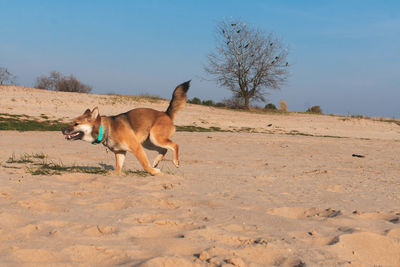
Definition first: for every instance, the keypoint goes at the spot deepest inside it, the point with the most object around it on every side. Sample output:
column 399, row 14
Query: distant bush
column 283, row 106
column 207, row 103
column 270, row 106
column 56, row 81
column 195, row 100
column 232, row 103
column 315, row 109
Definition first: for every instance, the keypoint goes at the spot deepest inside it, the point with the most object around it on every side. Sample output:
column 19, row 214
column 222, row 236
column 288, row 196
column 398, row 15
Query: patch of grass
column 14, row 115
column 10, row 167
column 347, row 118
column 216, row 129
column 295, row 132
column 255, row 110
column 151, row 98
column 245, row 130
column 344, row 119
column 360, row 117
column 37, row 164
column 40, row 155
column 125, row 99
column 192, row 128
column 18, row 123
column 51, row 168
column 389, row 121
column 332, row 136
column 25, row 158
column 136, row 173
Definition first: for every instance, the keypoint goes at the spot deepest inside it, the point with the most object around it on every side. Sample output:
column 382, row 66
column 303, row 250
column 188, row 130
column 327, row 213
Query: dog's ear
column 95, row 113
column 87, row 112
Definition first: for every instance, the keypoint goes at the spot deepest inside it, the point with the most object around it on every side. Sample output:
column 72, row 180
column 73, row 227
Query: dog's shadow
column 106, row 166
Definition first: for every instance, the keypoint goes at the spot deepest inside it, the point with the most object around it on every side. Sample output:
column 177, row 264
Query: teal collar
column 100, row 137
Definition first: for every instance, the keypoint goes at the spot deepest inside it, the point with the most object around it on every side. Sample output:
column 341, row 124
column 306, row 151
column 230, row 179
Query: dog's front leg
column 137, row 149
column 119, row 161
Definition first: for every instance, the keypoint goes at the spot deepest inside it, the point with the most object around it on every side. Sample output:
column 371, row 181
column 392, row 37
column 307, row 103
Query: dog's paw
column 155, row 171
column 176, row 163
column 116, row 172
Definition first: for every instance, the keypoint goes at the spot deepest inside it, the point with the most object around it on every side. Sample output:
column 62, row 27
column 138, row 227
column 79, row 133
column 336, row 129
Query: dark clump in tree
column 6, row 77
column 247, row 61
column 58, row 82
column 233, row 102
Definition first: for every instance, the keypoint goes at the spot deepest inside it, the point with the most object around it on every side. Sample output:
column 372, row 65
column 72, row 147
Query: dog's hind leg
column 161, row 151
column 166, row 143
column 159, row 157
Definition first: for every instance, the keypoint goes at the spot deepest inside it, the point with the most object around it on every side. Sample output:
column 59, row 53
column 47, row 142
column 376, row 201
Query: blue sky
column 345, row 55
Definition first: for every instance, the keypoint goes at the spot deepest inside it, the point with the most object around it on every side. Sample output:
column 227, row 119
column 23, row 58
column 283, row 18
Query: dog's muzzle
column 71, row 134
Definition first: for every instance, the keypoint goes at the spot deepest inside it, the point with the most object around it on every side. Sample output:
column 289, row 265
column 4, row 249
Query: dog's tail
column 178, row 99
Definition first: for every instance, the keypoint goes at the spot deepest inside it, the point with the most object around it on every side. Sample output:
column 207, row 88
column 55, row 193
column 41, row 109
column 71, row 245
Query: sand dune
column 238, row 199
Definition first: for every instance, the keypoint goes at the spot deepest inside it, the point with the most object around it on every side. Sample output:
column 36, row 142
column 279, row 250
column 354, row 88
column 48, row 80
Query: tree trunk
column 246, row 102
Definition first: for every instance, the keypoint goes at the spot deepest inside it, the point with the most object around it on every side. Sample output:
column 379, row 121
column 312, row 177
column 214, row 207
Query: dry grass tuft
column 283, row 106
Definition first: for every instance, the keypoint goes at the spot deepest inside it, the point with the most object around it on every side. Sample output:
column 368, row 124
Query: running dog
column 132, row 130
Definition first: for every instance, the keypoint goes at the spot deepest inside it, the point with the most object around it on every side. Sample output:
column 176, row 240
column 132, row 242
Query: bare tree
column 58, row 82
column 71, row 84
column 247, row 61
column 6, row 76
column 49, row 82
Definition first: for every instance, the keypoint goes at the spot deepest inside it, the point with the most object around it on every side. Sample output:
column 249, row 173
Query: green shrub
column 207, row 103
column 270, row 106
column 195, row 100
column 315, row 109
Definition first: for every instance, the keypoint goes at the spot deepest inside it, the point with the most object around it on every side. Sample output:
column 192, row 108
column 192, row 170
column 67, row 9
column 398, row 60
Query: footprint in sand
column 169, row 261
column 315, row 238
column 162, row 203
column 393, row 217
column 367, row 248
column 96, row 255
column 116, row 204
column 247, row 255
column 394, row 234
column 301, row 213
column 30, row 230
column 161, row 228
column 36, row 256
column 140, row 218
column 10, row 220
column 223, row 236
column 335, row 188
column 100, row 230
column 41, row 206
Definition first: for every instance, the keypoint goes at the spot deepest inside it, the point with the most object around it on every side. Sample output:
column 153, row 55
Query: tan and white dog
column 132, row 130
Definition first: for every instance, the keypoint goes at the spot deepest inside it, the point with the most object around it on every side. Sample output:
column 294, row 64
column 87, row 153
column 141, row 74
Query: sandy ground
column 238, row 199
